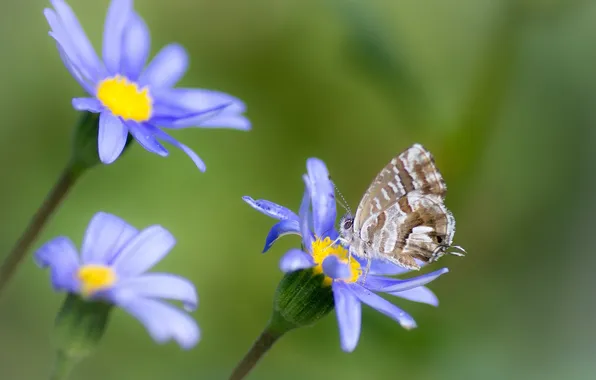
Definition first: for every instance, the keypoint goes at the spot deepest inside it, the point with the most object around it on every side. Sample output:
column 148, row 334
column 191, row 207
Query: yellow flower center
column 94, row 278
column 321, row 249
column 125, row 99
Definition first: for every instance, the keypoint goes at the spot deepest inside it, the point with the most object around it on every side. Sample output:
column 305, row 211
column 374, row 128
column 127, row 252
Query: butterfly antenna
column 342, row 202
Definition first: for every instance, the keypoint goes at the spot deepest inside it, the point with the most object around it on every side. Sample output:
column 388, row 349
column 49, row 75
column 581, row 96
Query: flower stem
column 265, row 341
column 65, row 182
column 62, row 367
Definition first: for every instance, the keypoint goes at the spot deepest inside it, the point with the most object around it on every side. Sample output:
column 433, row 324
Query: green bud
column 84, row 142
column 80, row 325
column 301, row 299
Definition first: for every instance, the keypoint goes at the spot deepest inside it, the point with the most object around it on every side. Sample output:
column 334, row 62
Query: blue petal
column 111, row 137
column 136, row 43
column 69, row 49
column 271, row 209
column 227, row 121
column 104, row 238
column 282, row 228
column 304, row 216
column 163, row 321
column 294, row 260
column 189, row 152
column 61, row 256
column 80, row 41
column 194, row 100
column 420, row 294
column 167, row 68
column 159, row 285
column 323, row 196
column 74, row 70
column 174, row 118
column 143, row 251
column 383, row 306
column 335, row 268
column 119, row 13
column 143, row 134
column 384, row 268
column 349, row 316
column 383, row 284
column 87, row 104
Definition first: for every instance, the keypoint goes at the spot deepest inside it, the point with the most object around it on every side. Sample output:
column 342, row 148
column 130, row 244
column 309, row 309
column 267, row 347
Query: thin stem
column 62, row 367
column 50, row 204
column 256, row 352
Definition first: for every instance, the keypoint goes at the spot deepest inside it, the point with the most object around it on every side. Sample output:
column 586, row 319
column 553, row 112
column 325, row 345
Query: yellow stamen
column 321, row 249
column 125, row 99
column 94, row 278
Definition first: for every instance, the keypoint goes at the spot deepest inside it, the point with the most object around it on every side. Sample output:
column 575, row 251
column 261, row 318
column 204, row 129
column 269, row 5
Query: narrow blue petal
column 61, row 256
column 195, row 100
column 420, row 294
column 173, row 118
column 79, row 39
column 323, row 196
column 75, row 71
column 136, row 44
column 271, row 209
column 384, row 268
column 304, row 216
column 384, row 284
column 87, row 104
column 227, row 121
column 282, row 228
column 144, row 136
column 104, row 238
column 189, row 152
column 119, row 13
column 111, row 137
column 161, row 285
column 383, row 306
column 143, row 251
column 349, row 316
column 163, row 321
column 69, row 49
column 294, row 260
column 335, row 268
column 167, row 68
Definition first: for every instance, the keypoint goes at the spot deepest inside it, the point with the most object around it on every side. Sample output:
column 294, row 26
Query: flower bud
column 301, row 299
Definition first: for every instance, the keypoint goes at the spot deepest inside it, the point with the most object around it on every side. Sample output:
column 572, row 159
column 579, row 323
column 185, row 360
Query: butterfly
column 402, row 217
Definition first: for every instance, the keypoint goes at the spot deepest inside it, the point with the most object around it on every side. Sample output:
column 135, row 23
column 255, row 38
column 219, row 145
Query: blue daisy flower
column 133, row 97
column 315, row 223
column 111, row 267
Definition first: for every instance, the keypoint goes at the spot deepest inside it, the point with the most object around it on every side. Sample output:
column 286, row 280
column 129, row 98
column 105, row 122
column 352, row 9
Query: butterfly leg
column 366, row 270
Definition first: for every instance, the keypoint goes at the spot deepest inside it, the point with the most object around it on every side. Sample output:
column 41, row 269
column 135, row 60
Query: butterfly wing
column 412, row 170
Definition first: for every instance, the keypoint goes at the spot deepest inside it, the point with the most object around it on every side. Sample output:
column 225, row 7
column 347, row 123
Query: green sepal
column 84, row 142
column 79, row 326
column 301, row 299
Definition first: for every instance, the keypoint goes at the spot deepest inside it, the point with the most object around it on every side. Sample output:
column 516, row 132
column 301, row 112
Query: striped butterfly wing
column 413, row 169
column 401, row 216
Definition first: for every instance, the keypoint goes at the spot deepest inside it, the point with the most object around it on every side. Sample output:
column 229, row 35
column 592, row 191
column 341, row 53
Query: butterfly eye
column 348, row 224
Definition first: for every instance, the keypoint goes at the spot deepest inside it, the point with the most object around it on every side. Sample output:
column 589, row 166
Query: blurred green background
column 503, row 92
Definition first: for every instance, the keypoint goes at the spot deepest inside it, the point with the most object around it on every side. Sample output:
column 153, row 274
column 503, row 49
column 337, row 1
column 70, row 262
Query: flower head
column 130, row 96
column 112, row 265
column 315, row 223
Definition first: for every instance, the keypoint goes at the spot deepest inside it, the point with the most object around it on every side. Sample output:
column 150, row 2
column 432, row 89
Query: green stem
column 62, row 367
column 263, row 343
column 65, row 182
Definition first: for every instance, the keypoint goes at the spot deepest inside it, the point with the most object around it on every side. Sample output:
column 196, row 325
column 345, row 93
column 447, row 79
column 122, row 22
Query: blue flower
column 316, row 225
column 130, row 97
column 112, row 265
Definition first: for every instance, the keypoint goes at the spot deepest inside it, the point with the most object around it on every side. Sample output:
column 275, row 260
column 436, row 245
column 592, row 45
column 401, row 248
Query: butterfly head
column 346, row 227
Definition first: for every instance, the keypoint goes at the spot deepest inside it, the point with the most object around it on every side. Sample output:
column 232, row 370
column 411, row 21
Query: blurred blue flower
column 130, row 97
column 112, row 265
column 316, row 225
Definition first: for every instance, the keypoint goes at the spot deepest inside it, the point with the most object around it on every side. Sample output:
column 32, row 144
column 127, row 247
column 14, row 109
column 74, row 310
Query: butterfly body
column 402, row 217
